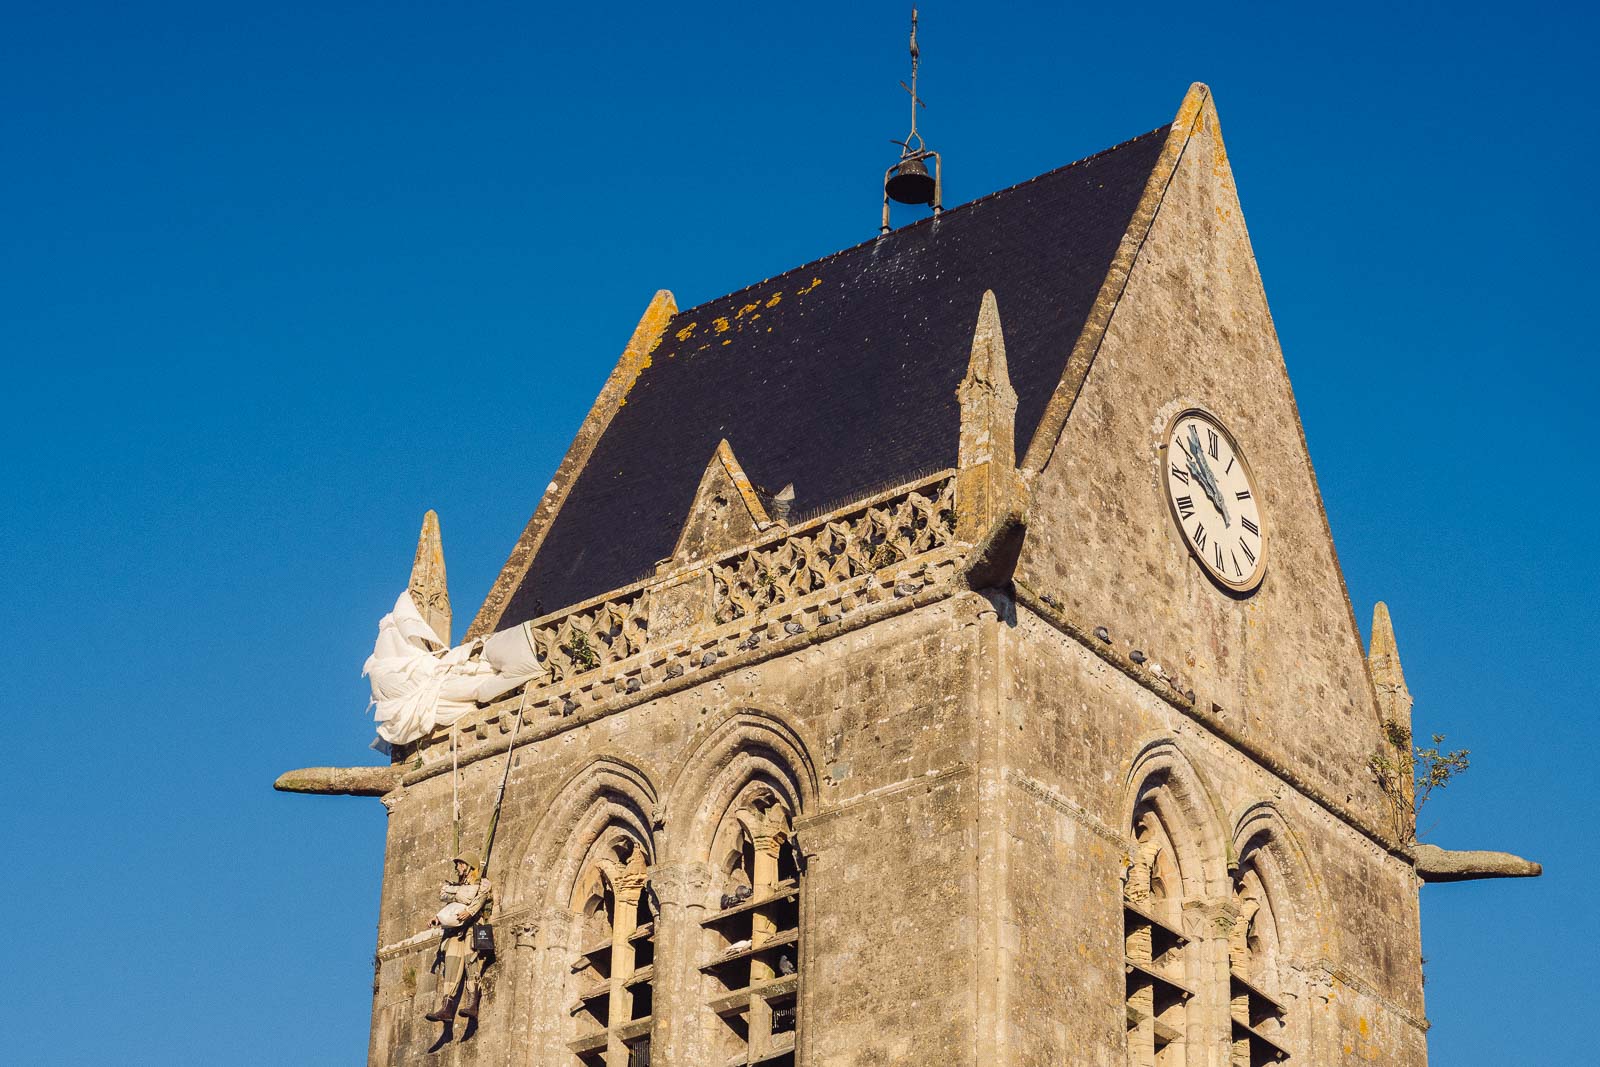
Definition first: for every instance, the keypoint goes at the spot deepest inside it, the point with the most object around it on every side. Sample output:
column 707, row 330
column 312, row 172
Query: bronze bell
column 910, row 183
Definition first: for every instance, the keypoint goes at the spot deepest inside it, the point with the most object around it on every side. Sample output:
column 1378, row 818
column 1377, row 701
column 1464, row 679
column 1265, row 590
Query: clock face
column 1214, row 500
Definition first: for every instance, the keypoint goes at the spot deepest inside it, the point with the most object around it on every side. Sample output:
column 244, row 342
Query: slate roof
column 840, row 376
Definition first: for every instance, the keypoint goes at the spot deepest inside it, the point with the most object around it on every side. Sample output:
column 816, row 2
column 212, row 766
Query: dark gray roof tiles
column 840, row 376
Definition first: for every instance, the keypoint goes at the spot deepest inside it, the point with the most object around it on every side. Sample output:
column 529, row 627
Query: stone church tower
column 942, row 658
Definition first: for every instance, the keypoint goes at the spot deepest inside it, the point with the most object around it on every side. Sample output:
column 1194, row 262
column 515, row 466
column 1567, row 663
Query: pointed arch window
column 753, row 939
column 612, row 978
column 1154, row 949
column 1256, row 1006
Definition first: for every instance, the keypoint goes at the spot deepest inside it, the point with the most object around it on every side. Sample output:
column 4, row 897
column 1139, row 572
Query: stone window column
column 685, row 893
column 519, row 966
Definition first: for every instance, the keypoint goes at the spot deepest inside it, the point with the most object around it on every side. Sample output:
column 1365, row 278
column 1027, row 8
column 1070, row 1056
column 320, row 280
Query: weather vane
column 908, row 181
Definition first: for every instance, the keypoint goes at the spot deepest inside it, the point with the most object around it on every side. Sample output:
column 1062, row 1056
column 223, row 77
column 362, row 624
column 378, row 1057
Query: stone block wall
column 867, row 736
column 1086, row 739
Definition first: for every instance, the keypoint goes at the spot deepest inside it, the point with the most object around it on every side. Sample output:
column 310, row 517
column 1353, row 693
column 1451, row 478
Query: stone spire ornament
column 1383, row 661
column 987, row 481
column 429, row 589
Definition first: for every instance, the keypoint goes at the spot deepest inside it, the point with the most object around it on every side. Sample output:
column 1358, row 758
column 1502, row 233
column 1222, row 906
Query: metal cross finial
column 908, row 181
column 916, row 101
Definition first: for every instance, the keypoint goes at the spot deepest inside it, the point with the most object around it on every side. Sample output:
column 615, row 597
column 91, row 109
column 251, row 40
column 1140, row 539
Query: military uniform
column 463, row 965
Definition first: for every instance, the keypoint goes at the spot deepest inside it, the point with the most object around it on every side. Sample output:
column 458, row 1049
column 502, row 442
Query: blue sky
column 275, row 279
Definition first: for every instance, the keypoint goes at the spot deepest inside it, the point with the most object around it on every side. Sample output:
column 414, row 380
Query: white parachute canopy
column 419, row 685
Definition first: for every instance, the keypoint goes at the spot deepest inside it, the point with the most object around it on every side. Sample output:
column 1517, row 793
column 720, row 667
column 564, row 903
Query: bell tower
column 869, row 686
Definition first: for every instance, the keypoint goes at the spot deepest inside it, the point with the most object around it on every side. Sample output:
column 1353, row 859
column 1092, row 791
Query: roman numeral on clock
column 1200, row 536
column 1248, row 525
column 1243, row 494
column 1216, row 551
column 1249, row 555
column 1180, row 474
column 1185, row 506
column 1212, row 435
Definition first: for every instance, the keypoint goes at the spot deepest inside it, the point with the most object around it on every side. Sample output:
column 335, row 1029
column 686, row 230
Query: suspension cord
column 494, row 819
column 455, row 789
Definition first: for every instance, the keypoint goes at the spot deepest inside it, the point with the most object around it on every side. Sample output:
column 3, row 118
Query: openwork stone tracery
column 852, row 545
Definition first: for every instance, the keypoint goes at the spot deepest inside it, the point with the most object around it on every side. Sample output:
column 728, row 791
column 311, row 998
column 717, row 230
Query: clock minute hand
column 1202, row 476
column 1202, row 472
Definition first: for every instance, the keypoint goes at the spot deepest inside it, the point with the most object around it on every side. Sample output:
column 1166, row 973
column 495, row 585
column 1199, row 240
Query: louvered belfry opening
column 613, row 975
column 1256, row 1008
column 1155, row 950
column 753, row 939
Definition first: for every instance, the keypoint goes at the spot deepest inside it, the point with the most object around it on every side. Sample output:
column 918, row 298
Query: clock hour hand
column 1202, row 474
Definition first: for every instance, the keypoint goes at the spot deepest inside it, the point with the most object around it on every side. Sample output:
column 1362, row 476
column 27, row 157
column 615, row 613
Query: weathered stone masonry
column 975, row 767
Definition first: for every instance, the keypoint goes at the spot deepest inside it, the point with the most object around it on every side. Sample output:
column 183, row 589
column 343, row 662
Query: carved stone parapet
column 795, row 581
column 692, row 659
column 875, row 536
column 679, row 606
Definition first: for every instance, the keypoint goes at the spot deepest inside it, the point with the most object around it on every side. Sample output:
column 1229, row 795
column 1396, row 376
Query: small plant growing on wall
column 1409, row 774
column 583, row 654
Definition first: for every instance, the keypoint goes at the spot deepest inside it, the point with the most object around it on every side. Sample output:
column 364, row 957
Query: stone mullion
column 683, row 891
column 1209, row 1021
column 1239, row 1011
column 625, row 919
column 522, row 980
column 551, row 1026
column 762, row 929
column 1142, row 1038
column 1239, row 963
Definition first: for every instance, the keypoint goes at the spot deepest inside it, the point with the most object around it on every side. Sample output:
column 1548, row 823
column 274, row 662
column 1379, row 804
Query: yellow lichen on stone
column 720, row 324
column 746, row 310
column 773, row 302
column 1190, row 109
column 803, row 291
column 636, row 357
column 687, row 332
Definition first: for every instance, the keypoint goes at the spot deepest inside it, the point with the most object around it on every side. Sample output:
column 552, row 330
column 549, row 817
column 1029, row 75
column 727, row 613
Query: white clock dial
column 1214, row 500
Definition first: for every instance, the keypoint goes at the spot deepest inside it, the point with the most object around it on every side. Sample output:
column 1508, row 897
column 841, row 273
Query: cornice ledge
column 1184, row 702
column 1343, row 976
column 729, row 647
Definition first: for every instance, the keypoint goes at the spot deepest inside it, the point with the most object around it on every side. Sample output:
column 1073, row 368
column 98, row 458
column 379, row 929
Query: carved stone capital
column 1211, row 918
column 682, row 883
